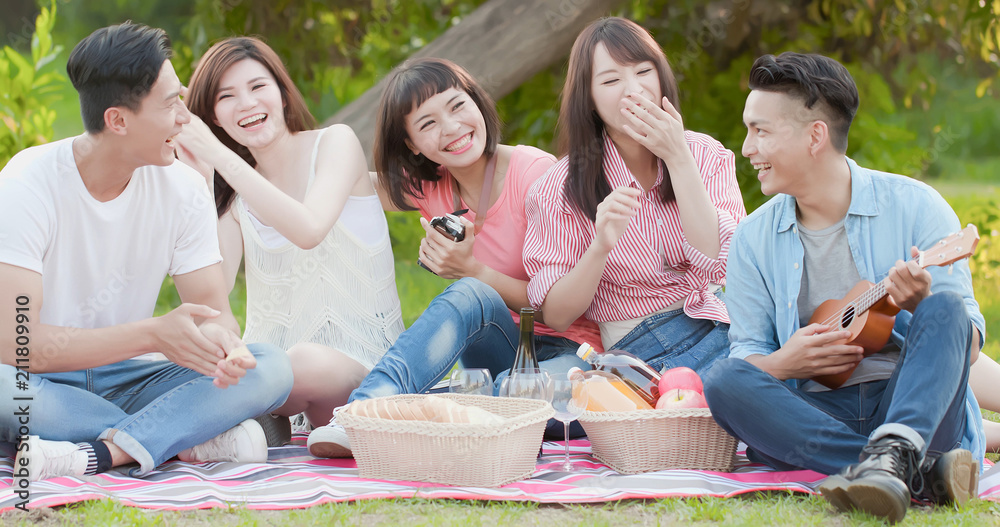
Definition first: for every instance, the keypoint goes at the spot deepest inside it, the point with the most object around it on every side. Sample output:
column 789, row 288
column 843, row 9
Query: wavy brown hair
column 581, row 130
column 408, row 86
column 204, row 88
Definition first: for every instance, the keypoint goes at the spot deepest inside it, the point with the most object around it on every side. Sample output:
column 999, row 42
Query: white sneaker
column 50, row 459
column 329, row 441
column 243, row 443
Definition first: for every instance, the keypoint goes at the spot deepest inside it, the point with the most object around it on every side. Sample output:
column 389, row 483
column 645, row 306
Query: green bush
column 334, row 51
column 27, row 87
column 983, row 211
column 925, row 70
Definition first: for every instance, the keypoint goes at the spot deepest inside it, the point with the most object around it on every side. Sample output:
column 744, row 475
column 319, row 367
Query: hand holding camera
column 446, row 251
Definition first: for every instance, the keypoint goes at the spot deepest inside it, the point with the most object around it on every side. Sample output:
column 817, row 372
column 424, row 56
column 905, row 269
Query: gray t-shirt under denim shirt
column 828, row 271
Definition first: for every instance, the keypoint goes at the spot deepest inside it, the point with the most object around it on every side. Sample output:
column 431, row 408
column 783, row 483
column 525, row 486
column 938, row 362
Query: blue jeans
column 468, row 321
column 671, row 339
column 150, row 409
column 787, row 428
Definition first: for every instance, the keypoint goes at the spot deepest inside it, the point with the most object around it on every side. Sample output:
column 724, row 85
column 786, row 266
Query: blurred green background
column 926, row 71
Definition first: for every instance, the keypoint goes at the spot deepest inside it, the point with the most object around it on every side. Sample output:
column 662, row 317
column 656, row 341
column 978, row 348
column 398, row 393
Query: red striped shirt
column 653, row 265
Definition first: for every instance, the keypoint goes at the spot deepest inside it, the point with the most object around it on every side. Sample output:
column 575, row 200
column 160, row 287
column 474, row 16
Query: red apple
column 683, row 378
column 681, row 398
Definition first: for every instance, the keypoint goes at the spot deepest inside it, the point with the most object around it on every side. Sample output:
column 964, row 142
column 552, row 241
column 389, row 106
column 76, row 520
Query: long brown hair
column 581, row 130
column 407, row 87
column 204, row 87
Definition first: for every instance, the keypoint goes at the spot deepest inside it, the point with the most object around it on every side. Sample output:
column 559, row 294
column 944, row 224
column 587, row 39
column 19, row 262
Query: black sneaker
column 277, row 429
column 951, row 478
column 880, row 484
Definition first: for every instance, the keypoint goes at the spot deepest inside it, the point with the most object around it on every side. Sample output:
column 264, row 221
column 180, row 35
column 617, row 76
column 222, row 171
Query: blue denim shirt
column 889, row 214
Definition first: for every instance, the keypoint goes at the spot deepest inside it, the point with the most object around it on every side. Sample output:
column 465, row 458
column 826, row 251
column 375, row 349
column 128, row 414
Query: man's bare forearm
column 57, row 349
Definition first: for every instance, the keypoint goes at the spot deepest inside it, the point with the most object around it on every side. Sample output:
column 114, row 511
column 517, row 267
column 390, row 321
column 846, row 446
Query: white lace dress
column 341, row 293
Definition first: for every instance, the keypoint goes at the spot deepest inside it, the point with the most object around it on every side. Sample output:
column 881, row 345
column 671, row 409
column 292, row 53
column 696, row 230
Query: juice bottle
column 632, row 370
column 607, row 393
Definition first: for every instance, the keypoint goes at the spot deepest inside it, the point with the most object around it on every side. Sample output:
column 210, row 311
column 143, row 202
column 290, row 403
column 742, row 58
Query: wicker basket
column 451, row 453
column 648, row 440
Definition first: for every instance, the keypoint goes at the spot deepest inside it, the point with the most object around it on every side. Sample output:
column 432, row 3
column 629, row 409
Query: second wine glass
column 569, row 399
column 476, row 381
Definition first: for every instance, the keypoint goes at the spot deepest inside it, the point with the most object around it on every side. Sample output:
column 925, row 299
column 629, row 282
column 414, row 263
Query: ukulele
column 868, row 311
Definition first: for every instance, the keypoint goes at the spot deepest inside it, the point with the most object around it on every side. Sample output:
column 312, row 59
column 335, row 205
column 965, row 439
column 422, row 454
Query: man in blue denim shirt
column 906, row 412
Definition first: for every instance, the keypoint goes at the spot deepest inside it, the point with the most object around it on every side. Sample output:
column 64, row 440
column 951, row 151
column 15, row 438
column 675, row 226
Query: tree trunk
column 502, row 44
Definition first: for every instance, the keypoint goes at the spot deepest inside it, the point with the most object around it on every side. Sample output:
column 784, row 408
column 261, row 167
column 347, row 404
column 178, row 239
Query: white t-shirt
column 102, row 264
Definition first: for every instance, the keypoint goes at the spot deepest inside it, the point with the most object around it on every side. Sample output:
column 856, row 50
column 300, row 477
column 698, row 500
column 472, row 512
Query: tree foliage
column 919, row 66
column 926, row 69
column 334, row 51
column 27, row 85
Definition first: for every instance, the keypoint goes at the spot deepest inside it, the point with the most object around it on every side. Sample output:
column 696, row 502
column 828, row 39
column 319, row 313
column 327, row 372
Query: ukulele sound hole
column 848, row 317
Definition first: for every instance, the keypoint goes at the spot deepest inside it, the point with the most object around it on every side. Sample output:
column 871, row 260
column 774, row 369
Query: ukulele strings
column 864, row 299
column 880, row 287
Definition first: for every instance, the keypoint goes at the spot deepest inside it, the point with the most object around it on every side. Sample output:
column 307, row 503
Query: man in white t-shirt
column 89, row 228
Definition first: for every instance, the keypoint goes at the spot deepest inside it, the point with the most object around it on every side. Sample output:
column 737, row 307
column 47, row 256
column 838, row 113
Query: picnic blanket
column 293, row 479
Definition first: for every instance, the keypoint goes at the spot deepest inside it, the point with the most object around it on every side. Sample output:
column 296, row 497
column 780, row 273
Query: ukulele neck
column 877, row 292
column 871, row 297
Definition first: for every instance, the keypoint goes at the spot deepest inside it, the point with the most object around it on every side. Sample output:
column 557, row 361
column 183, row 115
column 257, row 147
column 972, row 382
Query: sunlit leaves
column 26, row 89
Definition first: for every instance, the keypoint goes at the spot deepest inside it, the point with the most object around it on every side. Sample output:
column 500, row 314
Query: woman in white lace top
column 298, row 205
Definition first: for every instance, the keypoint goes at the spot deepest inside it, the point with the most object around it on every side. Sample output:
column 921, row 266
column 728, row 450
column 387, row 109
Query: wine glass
column 527, row 384
column 475, row 381
column 569, row 398
column 531, row 383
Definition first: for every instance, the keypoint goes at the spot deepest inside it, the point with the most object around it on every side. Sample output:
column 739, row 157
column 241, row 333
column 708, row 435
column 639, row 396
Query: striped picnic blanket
column 293, row 479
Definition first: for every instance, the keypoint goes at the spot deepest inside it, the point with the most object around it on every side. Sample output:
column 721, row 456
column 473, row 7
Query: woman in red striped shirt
column 632, row 226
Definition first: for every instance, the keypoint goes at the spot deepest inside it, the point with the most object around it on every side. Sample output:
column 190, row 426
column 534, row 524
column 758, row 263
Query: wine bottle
column 608, row 393
column 632, row 370
column 525, row 359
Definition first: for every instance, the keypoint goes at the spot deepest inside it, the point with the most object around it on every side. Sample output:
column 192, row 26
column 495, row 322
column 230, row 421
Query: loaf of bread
column 431, row 408
column 441, row 410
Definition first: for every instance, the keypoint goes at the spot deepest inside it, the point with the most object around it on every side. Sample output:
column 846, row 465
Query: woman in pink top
column 632, row 227
column 436, row 133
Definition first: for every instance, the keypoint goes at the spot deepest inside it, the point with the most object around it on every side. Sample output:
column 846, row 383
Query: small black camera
column 450, row 226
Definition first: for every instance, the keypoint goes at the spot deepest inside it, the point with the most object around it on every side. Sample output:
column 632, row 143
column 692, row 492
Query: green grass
column 416, row 287
column 963, row 188
column 169, row 299
column 989, row 305
column 752, row 509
